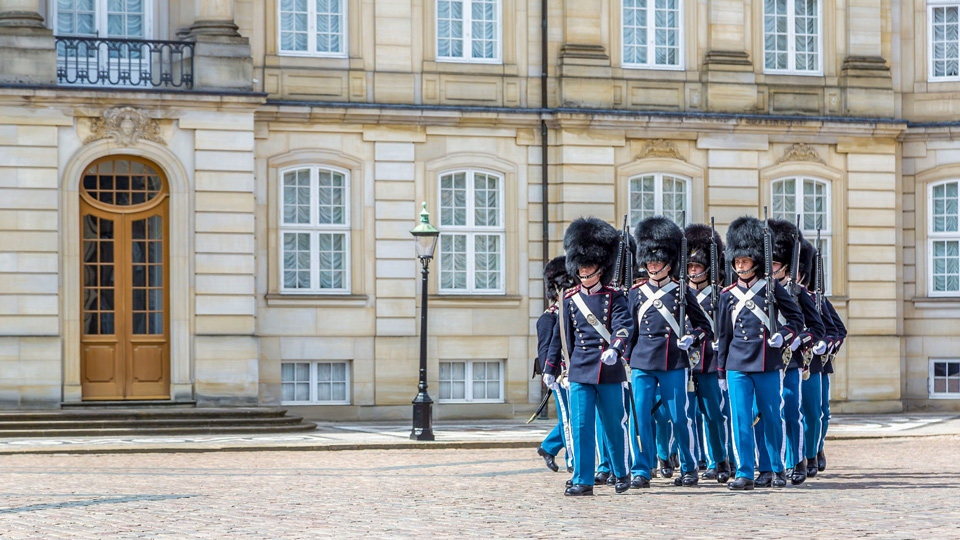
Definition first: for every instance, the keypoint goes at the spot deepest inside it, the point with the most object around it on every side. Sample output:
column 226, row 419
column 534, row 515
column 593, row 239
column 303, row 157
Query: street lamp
column 426, row 236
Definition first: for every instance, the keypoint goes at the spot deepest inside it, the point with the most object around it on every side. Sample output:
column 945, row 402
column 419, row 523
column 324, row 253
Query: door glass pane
column 97, row 275
column 122, row 182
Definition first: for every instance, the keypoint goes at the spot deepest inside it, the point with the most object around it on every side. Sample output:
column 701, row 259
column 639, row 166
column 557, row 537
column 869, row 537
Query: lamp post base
column 422, row 418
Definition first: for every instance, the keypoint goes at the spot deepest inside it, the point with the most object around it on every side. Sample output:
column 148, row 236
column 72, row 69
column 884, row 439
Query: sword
column 543, row 405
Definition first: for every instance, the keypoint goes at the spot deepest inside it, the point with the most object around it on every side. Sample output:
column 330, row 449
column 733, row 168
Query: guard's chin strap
column 741, row 273
column 588, row 276
column 652, row 275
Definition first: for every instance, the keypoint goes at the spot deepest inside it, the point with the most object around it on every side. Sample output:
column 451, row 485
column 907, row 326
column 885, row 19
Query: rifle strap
column 746, row 300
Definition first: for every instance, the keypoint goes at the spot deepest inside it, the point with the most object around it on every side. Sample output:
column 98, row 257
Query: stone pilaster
column 222, row 59
column 865, row 75
column 27, row 50
column 727, row 69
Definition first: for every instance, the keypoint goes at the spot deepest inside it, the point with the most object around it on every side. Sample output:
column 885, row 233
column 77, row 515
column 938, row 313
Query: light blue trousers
column 764, row 389
column 715, row 412
column 561, row 436
column 811, row 401
column 793, row 423
column 678, row 409
column 586, row 400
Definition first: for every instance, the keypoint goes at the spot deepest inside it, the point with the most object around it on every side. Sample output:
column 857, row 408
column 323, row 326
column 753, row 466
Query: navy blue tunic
column 609, row 306
column 743, row 341
column 708, row 356
column 545, row 325
column 840, row 328
column 813, row 327
column 654, row 345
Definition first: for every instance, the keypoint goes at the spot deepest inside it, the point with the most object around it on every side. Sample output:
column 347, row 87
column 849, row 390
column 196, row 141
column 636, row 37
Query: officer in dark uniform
column 811, row 389
column 785, row 238
column 593, row 329
column 712, row 403
column 555, row 281
column 655, row 351
column 750, row 354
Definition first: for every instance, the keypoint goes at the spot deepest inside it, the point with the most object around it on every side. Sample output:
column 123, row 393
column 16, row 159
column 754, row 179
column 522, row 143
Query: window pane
column 642, row 198
column 486, row 195
column 302, row 392
column 293, row 25
column 296, row 197
column 487, row 261
column 945, row 38
column 332, row 260
column 329, row 26
column 331, row 198
column 635, row 32
column 450, row 29
column 453, row 261
column 675, row 199
column 458, row 390
column 775, row 34
column 453, row 199
column 296, row 260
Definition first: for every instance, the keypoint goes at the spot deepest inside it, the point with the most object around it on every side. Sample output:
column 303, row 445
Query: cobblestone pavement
column 873, row 488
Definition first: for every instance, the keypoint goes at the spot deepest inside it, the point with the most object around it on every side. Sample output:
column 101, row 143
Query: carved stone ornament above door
column 126, row 126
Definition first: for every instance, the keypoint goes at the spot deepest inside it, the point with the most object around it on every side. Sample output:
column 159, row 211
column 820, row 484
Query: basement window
column 315, row 383
column 944, row 378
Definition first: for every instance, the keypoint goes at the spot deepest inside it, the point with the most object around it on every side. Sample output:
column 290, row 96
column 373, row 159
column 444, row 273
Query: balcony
column 124, row 63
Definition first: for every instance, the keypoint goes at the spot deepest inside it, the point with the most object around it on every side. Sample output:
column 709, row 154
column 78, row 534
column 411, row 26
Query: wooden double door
column 125, row 346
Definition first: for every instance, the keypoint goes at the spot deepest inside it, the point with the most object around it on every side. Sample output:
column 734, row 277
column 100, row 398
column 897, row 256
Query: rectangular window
column 944, row 243
column 325, row 383
column 472, row 242
column 468, row 30
column 791, row 37
column 652, row 33
column 944, row 379
column 471, row 381
column 313, row 27
column 659, row 194
column 104, row 18
column 315, row 230
column 810, row 198
column 944, row 47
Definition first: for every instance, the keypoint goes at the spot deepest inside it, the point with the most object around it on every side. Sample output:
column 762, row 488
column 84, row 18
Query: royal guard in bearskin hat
column 593, row 328
column 786, row 238
column 749, row 351
column 703, row 360
column 655, row 350
column 555, row 281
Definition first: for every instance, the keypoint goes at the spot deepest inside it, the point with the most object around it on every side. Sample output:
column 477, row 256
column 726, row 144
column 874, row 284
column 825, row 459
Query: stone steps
column 115, row 421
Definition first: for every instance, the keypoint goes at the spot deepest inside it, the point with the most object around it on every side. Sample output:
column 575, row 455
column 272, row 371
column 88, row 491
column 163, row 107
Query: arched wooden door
column 125, row 346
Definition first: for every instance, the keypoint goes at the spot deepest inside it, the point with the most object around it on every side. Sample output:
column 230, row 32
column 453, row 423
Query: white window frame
column 468, row 36
column 468, row 382
column 314, row 369
column 651, row 41
column 930, row 379
column 312, row 33
column 471, row 231
column 792, row 41
column 937, row 236
column 930, row 59
column 826, row 234
column 100, row 8
column 658, row 195
column 315, row 230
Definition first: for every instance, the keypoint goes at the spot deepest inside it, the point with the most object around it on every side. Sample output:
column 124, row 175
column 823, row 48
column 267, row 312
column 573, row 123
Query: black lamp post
column 426, row 235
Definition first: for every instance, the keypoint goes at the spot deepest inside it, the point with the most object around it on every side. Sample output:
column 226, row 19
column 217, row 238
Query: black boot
column 702, row 465
column 578, row 490
column 811, row 469
column 601, row 479
column 709, row 474
column 723, row 472
column 548, row 458
column 741, row 484
column 688, row 479
column 611, row 480
column 639, row 482
column 570, row 483
column 821, row 461
column 622, row 484
column 779, row 480
column 799, row 473
column 569, row 468
column 666, row 467
column 764, row 479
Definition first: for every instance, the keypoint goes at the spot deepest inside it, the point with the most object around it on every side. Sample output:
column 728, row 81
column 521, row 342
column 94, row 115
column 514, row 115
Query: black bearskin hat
column 555, row 277
column 807, row 253
column 784, row 236
column 698, row 247
column 591, row 242
column 745, row 239
column 658, row 239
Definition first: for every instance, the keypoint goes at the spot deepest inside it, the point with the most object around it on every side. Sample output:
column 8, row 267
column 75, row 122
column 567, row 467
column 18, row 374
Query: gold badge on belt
column 750, row 305
column 657, row 303
column 592, row 319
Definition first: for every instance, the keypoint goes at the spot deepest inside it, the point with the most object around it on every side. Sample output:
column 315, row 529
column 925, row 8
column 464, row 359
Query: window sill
column 318, row 300
column 469, row 401
column 936, row 302
column 474, row 300
column 313, row 403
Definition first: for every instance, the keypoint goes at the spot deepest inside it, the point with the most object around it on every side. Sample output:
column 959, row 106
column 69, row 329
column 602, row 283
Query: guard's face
column 589, row 275
column 779, row 270
column 657, row 269
column 695, row 269
column 744, row 267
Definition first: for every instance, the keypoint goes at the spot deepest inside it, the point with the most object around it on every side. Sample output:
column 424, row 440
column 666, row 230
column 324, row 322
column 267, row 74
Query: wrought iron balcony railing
column 125, row 63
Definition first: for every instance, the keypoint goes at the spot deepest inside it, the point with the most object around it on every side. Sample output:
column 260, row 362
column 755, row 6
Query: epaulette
column 552, row 309
column 729, row 287
column 571, row 292
column 641, row 282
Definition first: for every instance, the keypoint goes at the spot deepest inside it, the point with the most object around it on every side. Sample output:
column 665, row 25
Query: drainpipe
column 544, row 206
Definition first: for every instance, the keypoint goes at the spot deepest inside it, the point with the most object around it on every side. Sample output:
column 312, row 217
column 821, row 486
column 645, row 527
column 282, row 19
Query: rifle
column 818, row 287
column 714, row 280
column 795, row 264
column 623, row 278
column 692, row 356
column 771, row 298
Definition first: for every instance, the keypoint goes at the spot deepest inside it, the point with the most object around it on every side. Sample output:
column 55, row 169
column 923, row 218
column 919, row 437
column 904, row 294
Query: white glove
column 797, row 341
column 775, row 341
column 820, row 348
column 714, row 345
column 609, row 357
column 685, row 342
column 550, row 382
column 723, row 385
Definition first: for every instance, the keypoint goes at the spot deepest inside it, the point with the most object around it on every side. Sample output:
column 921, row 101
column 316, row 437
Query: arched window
column 659, row 194
column 472, row 232
column 315, row 230
column 943, row 244
column 810, row 199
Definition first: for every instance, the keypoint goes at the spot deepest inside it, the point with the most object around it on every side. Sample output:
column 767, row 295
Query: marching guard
column 555, row 280
column 704, row 269
column 657, row 306
column 787, row 253
column 840, row 335
column 593, row 328
column 749, row 348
